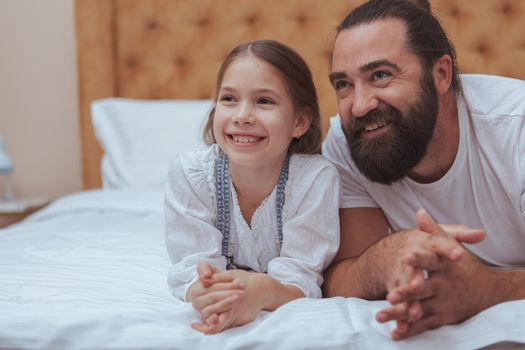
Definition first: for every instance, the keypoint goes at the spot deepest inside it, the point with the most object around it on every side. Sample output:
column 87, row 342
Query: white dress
column 310, row 223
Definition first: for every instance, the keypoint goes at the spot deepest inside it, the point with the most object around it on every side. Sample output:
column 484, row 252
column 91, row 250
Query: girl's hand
column 209, row 295
column 228, row 309
column 206, row 284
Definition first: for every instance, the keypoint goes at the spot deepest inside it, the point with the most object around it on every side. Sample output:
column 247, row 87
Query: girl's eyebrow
column 266, row 90
column 259, row 90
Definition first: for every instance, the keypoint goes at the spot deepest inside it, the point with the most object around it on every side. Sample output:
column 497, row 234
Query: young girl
column 252, row 221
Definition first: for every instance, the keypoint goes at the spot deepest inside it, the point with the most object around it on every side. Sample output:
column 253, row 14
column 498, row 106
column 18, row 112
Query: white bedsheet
column 89, row 271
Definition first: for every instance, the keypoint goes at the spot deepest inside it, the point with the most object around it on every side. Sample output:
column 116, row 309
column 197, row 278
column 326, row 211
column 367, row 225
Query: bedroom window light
column 6, row 168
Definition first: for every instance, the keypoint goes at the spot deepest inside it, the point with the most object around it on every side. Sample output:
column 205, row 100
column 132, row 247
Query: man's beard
column 389, row 157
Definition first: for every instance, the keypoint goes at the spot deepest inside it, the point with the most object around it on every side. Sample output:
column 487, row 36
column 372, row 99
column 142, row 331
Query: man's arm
column 370, row 262
column 455, row 290
column 354, row 272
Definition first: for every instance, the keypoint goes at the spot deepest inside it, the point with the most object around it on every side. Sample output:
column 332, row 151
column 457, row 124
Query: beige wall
column 38, row 96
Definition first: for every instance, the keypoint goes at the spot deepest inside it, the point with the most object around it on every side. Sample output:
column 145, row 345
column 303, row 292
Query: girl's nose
column 243, row 114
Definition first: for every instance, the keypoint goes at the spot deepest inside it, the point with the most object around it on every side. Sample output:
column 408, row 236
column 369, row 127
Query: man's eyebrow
column 379, row 63
column 365, row 68
column 336, row 75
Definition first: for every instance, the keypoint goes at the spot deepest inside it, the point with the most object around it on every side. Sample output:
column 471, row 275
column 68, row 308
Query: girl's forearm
column 273, row 293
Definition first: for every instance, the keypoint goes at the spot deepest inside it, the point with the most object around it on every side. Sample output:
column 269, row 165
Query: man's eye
column 341, row 84
column 265, row 101
column 380, row 75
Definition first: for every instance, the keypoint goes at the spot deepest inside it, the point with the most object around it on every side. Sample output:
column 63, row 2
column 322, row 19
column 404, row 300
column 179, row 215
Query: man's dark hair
column 425, row 35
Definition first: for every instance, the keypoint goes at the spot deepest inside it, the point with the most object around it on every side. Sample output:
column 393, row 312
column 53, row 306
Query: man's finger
column 414, row 314
column 393, row 313
column 425, row 259
column 427, row 224
column 447, row 248
column 468, row 235
column 405, row 293
column 424, row 324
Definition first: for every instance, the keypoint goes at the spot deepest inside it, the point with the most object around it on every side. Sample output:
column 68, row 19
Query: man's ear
column 302, row 123
column 442, row 74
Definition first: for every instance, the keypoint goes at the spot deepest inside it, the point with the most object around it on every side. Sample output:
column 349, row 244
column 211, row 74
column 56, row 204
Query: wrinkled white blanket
column 88, row 272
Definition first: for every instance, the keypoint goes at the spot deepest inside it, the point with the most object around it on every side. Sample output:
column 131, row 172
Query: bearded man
column 417, row 144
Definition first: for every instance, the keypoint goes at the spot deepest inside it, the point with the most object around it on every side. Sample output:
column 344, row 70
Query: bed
column 89, row 270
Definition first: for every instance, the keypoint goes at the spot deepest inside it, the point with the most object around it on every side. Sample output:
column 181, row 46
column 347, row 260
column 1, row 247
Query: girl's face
column 255, row 119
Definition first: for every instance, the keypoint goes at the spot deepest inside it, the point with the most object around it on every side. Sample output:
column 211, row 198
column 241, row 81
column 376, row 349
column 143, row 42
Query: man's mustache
column 356, row 124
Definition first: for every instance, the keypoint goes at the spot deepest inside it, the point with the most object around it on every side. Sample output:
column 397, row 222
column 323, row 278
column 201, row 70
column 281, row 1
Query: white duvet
column 89, row 272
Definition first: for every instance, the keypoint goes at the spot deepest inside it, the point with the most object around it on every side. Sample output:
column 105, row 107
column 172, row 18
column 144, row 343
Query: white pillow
column 141, row 137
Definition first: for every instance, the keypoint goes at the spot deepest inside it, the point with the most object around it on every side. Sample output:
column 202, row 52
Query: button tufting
column 131, row 62
column 180, row 61
column 507, row 9
column 251, row 20
column 483, row 49
column 301, row 19
column 152, row 24
column 455, row 12
column 203, row 22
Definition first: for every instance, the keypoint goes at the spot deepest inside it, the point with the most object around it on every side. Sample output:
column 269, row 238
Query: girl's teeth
column 244, row 139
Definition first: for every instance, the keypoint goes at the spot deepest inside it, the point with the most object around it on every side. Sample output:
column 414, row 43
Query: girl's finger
column 204, row 270
column 203, row 301
column 236, row 284
column 224, row 321
column 221, row 306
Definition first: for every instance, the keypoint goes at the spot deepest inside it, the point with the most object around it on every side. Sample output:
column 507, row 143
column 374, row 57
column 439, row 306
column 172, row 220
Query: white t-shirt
column 484, row 188
column 310, row 223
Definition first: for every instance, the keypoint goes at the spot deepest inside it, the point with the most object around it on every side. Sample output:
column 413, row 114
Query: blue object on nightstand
column 6, row 168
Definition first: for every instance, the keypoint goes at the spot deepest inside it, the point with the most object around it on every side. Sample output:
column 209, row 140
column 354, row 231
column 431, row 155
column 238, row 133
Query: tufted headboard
column 159, row 49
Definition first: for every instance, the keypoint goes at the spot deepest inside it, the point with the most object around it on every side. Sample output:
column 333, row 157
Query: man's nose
column 364, row 101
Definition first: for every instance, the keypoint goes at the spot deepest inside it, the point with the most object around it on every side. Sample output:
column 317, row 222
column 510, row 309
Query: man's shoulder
column 335, row 127
column 493, row 95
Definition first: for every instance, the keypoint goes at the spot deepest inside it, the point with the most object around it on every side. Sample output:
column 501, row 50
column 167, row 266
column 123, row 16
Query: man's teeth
column 244, row 139
column 376, row 125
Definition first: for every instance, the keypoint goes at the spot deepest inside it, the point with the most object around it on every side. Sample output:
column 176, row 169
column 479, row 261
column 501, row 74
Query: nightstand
column 17, row 210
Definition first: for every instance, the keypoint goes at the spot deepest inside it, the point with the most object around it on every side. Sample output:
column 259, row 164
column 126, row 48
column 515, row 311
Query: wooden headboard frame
column 160, row 49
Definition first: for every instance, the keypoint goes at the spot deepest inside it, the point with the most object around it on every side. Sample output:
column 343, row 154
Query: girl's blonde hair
column 298, row 79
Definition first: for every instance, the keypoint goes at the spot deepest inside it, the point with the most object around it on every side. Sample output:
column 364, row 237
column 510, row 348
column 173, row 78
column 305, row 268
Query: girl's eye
column 265, row 101
column 227, row 98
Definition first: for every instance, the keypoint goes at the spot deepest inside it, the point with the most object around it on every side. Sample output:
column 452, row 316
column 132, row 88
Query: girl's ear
column 302, row 123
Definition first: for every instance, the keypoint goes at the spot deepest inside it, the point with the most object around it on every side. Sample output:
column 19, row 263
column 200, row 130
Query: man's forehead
column 369, row 42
